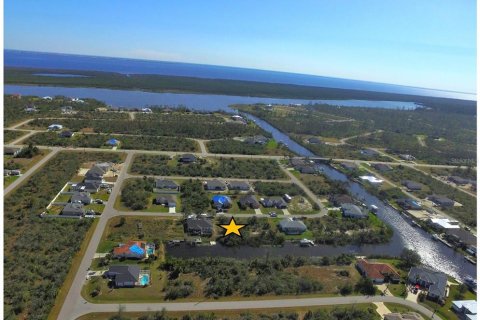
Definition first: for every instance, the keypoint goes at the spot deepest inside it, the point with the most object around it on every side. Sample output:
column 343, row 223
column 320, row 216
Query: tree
column 410, row 258
column 365, row 286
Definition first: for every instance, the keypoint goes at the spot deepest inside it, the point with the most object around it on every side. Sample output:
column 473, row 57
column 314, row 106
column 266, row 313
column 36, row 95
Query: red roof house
column 377, row 272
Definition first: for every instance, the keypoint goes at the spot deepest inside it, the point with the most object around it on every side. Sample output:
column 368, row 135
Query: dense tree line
column 171, row 124
column 277, row 189
column 98, row 140
column 193, row 196
column 258, row 277
column 38, row 252
column 450, row 132
column 136, row 193
column 231, row 146
column 218, row 167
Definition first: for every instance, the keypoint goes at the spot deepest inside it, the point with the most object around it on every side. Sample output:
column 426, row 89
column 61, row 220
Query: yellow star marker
column 232, row 227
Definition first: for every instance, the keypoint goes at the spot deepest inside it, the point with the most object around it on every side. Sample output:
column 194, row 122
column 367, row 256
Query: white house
column 54, row 127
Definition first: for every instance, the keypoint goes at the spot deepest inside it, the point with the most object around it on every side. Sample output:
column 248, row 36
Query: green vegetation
column 468, row 173
column 336, row 230
column 151, row 229
column 457, row 292
column 321, row 185
column 38, row 252
column 465, row 213
column 80, row 140
column 449, row 131
column 11, row 135
column 231, row 146
column 277, row 189
column 193, row 196
column 136, row 193
column 160, row 165
column 173, row 124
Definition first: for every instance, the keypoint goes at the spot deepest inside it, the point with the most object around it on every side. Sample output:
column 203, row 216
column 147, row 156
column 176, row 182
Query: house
column 239, row 119
column 314, row 140
column 131, row 250
column 339, row 199
column 369, row 152
column 409, row 204
column 215, row 185
column 377, row 272
column 348, row 165
column 146, row 110
column 412, row 185
column 381, row 167
column 95, row 174
column 443, row 224
column 81, row 197
column 248, row 201
column 371, row 179
column 292, row 226
column 7, row 172
column 441, row 201
column 238, row 185
column 433, row 281
column 66, row 134
column 306, row 169
column 257, row 140
column 11, row 151
column 459, row 180
column 187, row 158
column 403, row 316
column 124, row 276
column 91, row 187
column 30, row 108
column 55, row 127
column 166, row 184
column 165, row 200
column 198, row 227
column 73, row 210
column 464, row 307
column 221, row 202
column 47, row 98
column 67, row 110
column 350, row 210
column 407, row 157
column 112, row 142
column 295, row 162
column 274, row 202
column 460, row 237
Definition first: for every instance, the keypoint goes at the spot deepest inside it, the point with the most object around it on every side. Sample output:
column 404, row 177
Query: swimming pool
column 150, row 250
column 144, row 279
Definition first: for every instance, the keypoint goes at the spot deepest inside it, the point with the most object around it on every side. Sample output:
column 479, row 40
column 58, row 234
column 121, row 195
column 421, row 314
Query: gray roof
column 215, row 184
column 297, row 162
column 369, row 152
column 290, row 225
column 249, row 201
column 307, row 169
column 382, row 167
column 277, row 202
column 314, row 140
column 165, row 199
column 403, row 316
column 73, row 209
column 238, row 185
column 435, row 281
column 199, row 224
column 122, row 274
column 463, row 235
column 257, row 139
column 441, row 200
column 188, row 157
column 83, row 197
column 412, row 185
column 339, row 199
column 459, row 180
column 10, row 151
column 165, row 184
column 353, row 211
column 349, row 165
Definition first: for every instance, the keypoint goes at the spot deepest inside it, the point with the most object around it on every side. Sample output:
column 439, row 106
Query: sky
column 430, row 44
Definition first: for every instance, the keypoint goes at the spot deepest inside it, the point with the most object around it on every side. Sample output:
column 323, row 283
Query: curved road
column 86, row 307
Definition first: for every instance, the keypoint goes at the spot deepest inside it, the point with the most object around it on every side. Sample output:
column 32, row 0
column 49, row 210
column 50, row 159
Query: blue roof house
column 113, row 142
column 221, row 202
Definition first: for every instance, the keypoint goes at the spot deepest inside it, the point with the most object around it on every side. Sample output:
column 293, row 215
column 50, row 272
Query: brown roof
column 376, row 270
column 125, row 248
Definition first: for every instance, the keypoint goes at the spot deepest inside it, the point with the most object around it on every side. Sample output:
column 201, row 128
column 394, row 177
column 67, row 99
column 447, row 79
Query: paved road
column 246, row 305
column 28, row 173
column 30, row 133
column 203, row 147
column 19, row 124
column 74, row 301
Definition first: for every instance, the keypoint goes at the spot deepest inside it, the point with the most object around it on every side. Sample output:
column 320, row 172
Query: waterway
column 434, row 254
column 205, row 102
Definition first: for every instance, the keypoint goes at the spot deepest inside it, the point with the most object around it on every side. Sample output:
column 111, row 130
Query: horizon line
column 237, row 67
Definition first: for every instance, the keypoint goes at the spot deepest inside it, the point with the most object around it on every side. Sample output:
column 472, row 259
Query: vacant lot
column 209, row 167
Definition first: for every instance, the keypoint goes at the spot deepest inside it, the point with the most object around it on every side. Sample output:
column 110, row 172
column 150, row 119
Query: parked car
column 99, row 201
column 273, row 214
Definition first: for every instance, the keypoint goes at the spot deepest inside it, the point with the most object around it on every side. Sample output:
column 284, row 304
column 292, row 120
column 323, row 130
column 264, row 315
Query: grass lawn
column 161, row 228
column 300, row 205
column 95, row 207
column 398, row 290
column 233, row 314
column 9, row 180
column 63, row 198
column 395, row 307
column 446, row 311
column 54, row 209
column 150, row 207
column 102, row 195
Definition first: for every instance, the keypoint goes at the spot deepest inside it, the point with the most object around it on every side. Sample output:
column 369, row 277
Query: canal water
column 434, row 254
